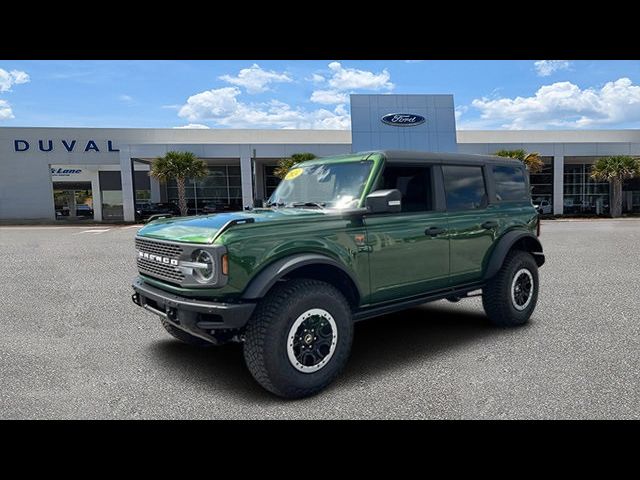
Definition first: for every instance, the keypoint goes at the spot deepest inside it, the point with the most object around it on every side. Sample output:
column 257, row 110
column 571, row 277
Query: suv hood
column 204, row 228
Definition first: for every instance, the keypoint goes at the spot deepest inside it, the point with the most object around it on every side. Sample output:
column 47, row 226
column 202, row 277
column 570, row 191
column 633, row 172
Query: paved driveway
column 74, row 346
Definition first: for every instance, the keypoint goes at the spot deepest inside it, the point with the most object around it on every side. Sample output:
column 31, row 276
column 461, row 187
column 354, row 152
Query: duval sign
column 403, row 119
column 65, row 145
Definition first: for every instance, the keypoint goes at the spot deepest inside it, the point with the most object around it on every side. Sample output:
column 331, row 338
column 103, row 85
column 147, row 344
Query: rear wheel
column 510, row 297
column 299, row 338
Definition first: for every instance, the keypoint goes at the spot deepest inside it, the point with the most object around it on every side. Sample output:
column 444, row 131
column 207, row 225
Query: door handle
column 433, row 231
column 489, row 224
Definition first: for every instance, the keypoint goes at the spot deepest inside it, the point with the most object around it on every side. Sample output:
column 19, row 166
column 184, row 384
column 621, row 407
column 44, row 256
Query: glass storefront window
column 112, row 200
column 582, row 194
column 542, row 183
column 112, row 205
column 631, row 195
column 271, row 182
column 73, row 200
column 143, row 195
column 222, row 188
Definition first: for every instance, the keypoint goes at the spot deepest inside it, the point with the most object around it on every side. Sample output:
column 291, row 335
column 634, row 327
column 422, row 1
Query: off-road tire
column 496, row 294
column 184, row 336
column 266, row 337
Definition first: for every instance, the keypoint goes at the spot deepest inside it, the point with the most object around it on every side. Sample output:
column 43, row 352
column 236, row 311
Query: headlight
column 206, row 269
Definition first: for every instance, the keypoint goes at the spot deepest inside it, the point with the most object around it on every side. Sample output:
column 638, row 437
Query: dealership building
column 79, row 174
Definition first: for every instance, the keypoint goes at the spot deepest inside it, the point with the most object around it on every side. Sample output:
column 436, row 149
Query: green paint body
column 395, row 260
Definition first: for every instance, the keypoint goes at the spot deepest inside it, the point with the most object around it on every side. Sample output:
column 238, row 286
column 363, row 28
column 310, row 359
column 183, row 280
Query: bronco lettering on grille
column 158, row 258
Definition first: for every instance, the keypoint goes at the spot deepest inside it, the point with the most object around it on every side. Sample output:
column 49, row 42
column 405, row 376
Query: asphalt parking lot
column 73, row 345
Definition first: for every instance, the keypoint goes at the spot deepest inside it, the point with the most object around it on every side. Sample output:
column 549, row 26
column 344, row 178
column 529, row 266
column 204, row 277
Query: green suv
column 343, row 239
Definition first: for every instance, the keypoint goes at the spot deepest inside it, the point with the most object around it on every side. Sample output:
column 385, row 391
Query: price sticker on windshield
column 296, row 172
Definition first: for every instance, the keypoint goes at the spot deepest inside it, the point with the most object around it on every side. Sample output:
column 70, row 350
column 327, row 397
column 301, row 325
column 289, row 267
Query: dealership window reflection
column 542, row 183
column 111, row 193
column 582, row 194
column 220, row 189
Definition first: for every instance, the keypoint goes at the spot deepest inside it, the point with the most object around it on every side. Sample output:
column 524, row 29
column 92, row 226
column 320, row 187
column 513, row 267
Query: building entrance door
column 73, row 201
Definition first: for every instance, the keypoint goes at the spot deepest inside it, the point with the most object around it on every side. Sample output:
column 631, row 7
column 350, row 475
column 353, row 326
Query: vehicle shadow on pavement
column 390, row 342
column 222, row 368
column 402, row 339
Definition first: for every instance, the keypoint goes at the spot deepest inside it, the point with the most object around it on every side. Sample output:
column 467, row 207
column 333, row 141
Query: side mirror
column 384, row 201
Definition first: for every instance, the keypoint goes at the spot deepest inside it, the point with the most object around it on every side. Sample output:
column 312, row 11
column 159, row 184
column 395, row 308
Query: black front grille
column 159, row 248
column 155, row 268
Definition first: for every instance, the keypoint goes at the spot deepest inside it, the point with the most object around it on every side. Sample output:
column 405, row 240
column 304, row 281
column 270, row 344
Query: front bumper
column 196, row 317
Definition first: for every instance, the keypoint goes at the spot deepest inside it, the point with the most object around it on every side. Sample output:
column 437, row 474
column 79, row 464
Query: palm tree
column 615, row 170
column 179, row 166
column 532, row 160
column 286, row 164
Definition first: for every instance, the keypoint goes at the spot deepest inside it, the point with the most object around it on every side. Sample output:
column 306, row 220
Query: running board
column 387, row 308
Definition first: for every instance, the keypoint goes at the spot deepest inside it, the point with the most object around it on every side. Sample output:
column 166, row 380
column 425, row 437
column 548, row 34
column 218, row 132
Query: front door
column 409, row 251
column 473, row 222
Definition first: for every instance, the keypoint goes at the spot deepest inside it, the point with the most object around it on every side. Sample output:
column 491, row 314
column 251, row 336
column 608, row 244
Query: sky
column 505, row 94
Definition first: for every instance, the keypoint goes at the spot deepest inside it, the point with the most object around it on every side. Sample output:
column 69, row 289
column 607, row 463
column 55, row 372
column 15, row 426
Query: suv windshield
column 331, row 185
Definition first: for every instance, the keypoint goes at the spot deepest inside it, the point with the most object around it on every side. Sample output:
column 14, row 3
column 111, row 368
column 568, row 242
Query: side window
column 510, row 184
column 464, row 187
column 414, row 182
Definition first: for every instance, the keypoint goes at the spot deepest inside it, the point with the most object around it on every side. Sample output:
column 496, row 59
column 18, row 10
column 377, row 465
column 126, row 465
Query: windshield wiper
column 275, row 204
column 319, row 205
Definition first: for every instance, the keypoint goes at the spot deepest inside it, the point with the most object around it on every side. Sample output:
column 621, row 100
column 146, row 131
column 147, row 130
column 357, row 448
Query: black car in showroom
column 146, row 210
column 84, row 211
column 215, row 207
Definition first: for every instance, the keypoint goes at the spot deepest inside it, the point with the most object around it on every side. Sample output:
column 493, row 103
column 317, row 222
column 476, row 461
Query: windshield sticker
column 293, row 174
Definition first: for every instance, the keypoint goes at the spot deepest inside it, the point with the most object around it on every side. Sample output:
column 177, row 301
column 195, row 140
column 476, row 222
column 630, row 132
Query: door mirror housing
column 384, row 201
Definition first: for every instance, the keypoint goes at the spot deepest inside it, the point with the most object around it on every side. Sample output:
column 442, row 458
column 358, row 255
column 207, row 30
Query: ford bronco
column 343, row 239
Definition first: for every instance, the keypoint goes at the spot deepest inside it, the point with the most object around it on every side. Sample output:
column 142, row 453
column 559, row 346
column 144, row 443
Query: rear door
column 409, row 251
column 473, row 220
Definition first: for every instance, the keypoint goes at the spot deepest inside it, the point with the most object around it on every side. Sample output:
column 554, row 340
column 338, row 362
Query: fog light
column 203, row 274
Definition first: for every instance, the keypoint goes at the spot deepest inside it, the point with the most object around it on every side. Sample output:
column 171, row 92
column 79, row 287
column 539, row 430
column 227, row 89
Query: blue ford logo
column 403, row 119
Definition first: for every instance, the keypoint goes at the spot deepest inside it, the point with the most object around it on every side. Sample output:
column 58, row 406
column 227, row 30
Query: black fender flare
column 261, row 283
column 504, row 245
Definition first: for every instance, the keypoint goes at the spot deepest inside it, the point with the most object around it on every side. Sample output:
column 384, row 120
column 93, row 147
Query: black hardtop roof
column 409, row 155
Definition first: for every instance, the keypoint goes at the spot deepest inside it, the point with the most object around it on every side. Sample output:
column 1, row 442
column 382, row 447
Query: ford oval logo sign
column 403, row 119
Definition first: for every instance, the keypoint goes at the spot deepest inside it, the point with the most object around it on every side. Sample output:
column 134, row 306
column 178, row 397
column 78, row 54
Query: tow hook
column 136, row 299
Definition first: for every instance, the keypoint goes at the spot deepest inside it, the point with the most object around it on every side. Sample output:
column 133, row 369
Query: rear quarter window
column 509, row 182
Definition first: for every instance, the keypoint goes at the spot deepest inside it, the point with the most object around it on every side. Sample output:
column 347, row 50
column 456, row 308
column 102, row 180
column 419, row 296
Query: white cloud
column 125, row 98
column 329, row 97
column 256, row 80
column 544, row 68
column 14, row 77
column 460, row 110
column 565, row 105
column 5, row 110
column 197, row 126
column 346, row 80
column 316, row 78
column 216, row 103
column 413, row 61
column 222, row 107
column 352, row 78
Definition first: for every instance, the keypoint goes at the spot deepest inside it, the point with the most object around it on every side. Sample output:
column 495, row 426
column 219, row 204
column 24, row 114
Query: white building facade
column 100, row 174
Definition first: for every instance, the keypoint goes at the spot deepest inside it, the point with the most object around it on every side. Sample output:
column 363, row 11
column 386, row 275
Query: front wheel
column 299, row 338
column 510, row 297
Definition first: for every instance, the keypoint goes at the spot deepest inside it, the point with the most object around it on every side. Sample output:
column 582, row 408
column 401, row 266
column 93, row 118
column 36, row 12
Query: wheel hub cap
column 312, row 340
column 522, row 289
